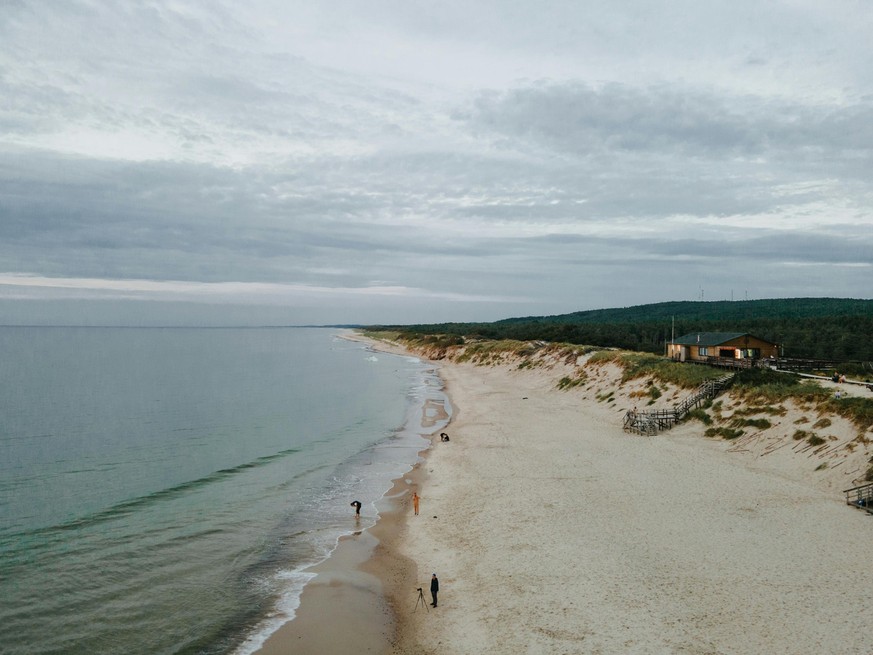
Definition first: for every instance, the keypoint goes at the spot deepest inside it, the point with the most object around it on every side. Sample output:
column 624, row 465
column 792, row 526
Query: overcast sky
column 284, row 161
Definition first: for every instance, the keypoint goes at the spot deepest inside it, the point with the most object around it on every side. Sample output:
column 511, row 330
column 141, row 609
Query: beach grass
column 638, row 365
column 724, row 433
column 771, row 387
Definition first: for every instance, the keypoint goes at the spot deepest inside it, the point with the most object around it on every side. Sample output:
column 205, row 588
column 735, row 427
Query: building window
column 703, row 351
column 750, row 353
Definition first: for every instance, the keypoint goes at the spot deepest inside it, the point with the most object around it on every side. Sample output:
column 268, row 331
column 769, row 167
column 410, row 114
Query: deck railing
column 861, row 496
column 730, row 362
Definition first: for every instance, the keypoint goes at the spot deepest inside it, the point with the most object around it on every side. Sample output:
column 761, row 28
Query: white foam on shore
column 413, row 436
column 286, row 610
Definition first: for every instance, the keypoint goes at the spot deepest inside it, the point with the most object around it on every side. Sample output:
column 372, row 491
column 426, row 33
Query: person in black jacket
column 434, row 588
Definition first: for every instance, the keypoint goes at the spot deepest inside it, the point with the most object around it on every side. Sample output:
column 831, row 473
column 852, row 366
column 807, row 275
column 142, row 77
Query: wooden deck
column 650, row 422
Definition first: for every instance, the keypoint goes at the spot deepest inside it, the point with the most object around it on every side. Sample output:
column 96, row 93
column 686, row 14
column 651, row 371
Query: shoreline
column 552, row 530
column 353, row 602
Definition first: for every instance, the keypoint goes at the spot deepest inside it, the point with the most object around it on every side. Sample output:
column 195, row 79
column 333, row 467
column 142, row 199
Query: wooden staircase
column 650, row 422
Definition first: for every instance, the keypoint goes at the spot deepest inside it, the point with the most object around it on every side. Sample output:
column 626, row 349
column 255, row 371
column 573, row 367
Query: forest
column 837, row 329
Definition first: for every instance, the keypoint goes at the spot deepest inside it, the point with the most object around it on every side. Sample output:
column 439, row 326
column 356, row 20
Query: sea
column 164, row 490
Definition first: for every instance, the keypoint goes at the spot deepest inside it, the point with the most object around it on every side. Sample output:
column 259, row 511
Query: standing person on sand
column 434, row 588
column 415, row 499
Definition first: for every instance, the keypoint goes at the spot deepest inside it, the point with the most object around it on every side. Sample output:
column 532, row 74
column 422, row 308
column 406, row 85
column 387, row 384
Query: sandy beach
column 553, row 531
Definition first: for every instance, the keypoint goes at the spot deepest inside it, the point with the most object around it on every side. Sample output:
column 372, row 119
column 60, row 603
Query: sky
column 398, row 161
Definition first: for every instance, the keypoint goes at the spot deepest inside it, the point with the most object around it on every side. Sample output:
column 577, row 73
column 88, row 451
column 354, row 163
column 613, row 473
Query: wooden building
column 707, row 346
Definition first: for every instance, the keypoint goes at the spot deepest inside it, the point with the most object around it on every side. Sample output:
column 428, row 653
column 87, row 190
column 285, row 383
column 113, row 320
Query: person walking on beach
column 415, row 499
column 434, row 588
column 357, row 505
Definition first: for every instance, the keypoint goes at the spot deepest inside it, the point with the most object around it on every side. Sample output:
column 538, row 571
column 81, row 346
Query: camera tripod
column 421, row 600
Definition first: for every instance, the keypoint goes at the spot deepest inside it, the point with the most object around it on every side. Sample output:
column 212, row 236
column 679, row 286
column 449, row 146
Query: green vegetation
column 724, row 433
column 824, row 328
column 638, row 365
column 699, row 415
column 779, row 410
column 763, row 385
column 811, row 437
column 821, row 423
column 382, row 335
column 492, row 352
column 569, row 383
column 760, row 423
column 856, row 409
column 771, row 387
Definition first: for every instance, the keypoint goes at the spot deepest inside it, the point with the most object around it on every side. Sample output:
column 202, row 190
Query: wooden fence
column 650, row 422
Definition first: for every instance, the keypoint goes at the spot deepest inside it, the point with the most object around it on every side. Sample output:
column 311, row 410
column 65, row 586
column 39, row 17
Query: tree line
column 815, row 328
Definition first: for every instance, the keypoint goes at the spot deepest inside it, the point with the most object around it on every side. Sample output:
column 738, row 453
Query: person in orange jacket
column 415, row 499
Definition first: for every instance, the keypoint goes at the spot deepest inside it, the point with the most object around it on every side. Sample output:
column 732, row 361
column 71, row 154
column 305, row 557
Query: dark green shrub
column 724, row 433
column 760, row 423
column 699, row 415
column 568, row 382
column 761, row 409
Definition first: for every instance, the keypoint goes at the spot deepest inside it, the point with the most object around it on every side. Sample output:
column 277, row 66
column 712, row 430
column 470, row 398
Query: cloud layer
column 403, row 164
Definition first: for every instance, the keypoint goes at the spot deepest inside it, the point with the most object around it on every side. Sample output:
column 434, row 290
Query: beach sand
column 553, row 531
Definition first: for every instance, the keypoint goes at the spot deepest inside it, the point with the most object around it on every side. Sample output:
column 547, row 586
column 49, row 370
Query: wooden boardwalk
column 650, row 422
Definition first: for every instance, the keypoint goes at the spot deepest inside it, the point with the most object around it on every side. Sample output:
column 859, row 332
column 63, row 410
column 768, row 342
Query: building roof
column 708, row 338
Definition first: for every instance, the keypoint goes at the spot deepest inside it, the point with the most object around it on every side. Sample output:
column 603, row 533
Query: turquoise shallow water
column 163, row 490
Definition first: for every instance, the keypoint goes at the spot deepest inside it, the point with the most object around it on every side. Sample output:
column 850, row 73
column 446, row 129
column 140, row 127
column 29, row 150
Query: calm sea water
column 163, row 490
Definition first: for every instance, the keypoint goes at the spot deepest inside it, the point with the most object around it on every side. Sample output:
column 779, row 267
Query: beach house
column 709, row 346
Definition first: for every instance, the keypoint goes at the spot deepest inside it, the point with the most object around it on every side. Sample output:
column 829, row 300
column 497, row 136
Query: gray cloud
column 391, row 148
column 580, row 119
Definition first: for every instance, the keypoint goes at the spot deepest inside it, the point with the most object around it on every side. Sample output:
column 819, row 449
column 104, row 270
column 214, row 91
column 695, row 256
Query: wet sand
column 351, row 605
